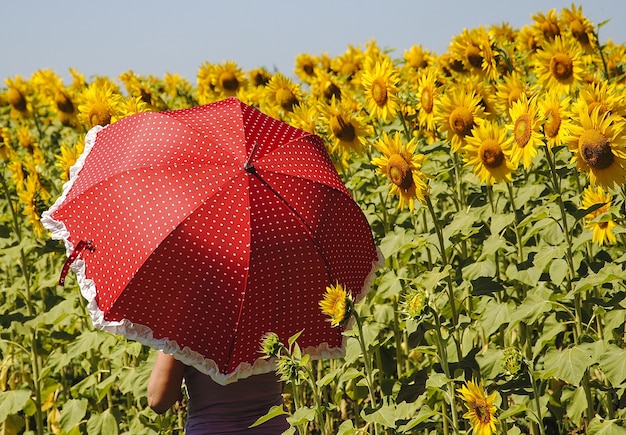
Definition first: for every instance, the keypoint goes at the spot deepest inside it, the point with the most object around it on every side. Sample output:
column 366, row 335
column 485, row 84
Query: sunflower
column 488, row 152
column 99, row 104
column 558, row 64
column 603, row 94
column 380, row 83
column 602, row 233
column 346, row 128
column 598, row 142
column 34, row 199
column 474, row 48
column 282, row 94
column 555, row 114
column 6, row 150
column 417, row 58
column 527, row 40
column 525, row 127
column 306, row 67
column 575, row 23
column 259, row 76
column 403, row 167
column 480, row 408
column 509, row 89
column 228, row 79
column 458, row 111
column 337, row 304
column 546, row 26
column 67, row 158
column 326, row 86
column 304, row 117
column 17, row 92
column 205, row 89
column 133, row 105
column 349, row 64
column 427, row 94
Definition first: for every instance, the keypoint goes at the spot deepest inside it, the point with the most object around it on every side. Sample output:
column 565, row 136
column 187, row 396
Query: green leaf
column 598, row 426
column 347, row 428
column 610, row 273
column 385, row 416
column 558, row 271
column 501, row 221
column 582, row 212
column 12, row 402
column 613, row 364
column 104, row 423
column 577, row 405
column 512, row 411
column 536, row 303
column 570, row 364
column 274, row 411
column 73, row 412
column 495, row 314
column 303, row 415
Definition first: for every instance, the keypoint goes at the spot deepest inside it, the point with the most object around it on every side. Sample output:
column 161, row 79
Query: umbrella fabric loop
column 80, row 247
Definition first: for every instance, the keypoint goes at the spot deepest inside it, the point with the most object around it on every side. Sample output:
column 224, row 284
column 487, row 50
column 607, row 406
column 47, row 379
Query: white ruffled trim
column 144, row 334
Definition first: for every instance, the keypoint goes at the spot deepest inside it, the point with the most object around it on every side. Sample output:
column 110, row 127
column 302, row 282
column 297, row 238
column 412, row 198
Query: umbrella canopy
column 198, row 231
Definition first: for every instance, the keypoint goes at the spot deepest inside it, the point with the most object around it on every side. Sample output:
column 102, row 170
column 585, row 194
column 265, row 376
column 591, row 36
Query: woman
column 215, row 408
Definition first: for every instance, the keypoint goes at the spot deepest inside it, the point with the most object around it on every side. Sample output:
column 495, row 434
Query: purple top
column 232, row 408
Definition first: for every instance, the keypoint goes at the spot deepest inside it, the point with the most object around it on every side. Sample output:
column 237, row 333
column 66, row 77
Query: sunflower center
column 379, row 92
column 553, row 123
column 522, row 130
column 491, row 154
column 17, row 100
column 514, row 95
column 578, row 31
column 308, row 68
column 399, row 172
column 342, row 129
column 561, row 66
column 64, row 103
column 472, row 54
column 462, row 121
column 550, row 30
column 482, row 411
column 229, row 81
column 332, row 90
column 100, row 114
column 348, row 69
column 602, row 108
column 286, row 99
column 595, row 149
column 427, row 100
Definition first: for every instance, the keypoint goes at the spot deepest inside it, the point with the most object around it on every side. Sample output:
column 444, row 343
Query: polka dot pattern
column 205, row 253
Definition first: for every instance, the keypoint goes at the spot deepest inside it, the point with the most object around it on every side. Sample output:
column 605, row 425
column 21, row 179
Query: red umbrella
column 198, row 231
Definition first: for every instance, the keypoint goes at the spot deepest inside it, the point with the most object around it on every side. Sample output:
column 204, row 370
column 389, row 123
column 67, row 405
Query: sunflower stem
column 449, row 286
column 551, row 158
column 367, row 360
column 520, row 246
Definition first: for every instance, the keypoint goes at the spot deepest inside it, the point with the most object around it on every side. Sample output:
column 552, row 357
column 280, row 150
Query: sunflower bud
column 513, row 361
column 415, row 303
column 288, row 368
column 271, row 345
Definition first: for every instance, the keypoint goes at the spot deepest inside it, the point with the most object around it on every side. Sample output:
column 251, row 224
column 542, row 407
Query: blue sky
column 156, row 36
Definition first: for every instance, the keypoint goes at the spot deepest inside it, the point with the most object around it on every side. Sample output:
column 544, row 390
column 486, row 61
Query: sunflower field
column 493, row 177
